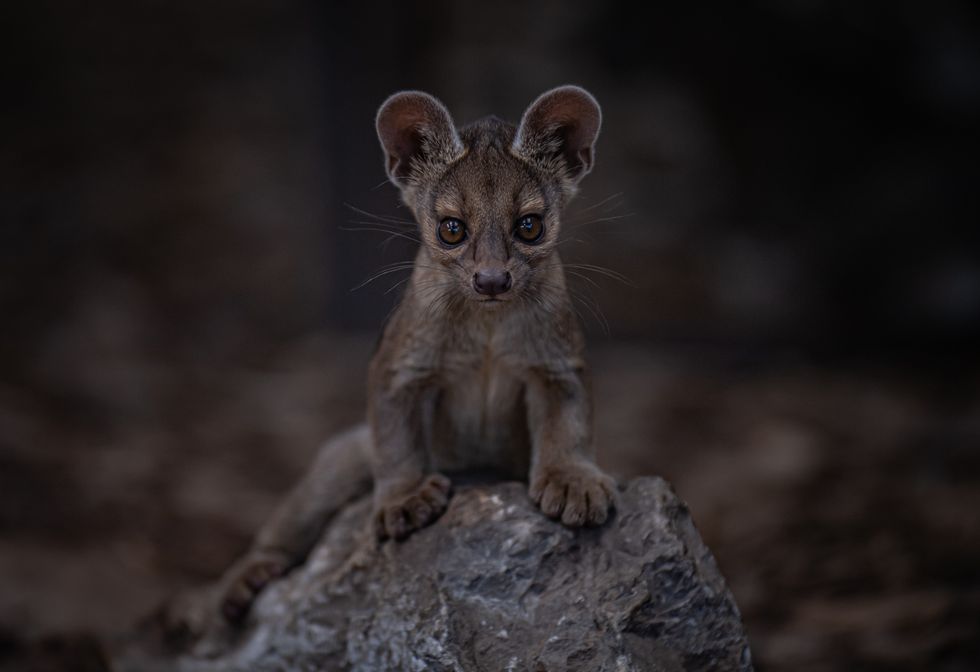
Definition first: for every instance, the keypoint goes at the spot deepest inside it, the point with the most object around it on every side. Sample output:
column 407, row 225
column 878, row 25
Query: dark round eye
column 452, row 231
column 529, row 228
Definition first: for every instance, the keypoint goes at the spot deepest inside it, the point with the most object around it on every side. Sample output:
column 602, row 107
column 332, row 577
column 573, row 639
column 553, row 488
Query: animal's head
column 488, row 197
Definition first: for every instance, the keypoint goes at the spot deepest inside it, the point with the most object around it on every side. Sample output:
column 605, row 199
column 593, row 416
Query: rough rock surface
column 493, row 586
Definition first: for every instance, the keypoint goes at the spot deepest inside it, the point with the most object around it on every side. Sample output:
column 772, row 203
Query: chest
column 479, row 392
column 479, row 417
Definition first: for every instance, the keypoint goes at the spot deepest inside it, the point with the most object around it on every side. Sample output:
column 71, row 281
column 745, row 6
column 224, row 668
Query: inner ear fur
column 562, row 124
column 415, row 131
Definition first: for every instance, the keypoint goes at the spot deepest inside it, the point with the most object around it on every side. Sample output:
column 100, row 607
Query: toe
column 440, row 482
column 553, row 499
column 576, row 507
column 256, row 578
column 598, row 510
column 536, row 490
column 236, row 601
column 260, row 574
column 396, row 522
column 419, row 512
column 436, row 499
column 598, row 505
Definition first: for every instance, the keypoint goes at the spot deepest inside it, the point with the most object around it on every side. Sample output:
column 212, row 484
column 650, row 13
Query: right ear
column 416, row 131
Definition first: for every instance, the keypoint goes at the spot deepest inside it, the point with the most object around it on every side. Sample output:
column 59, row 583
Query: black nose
column 491, row 283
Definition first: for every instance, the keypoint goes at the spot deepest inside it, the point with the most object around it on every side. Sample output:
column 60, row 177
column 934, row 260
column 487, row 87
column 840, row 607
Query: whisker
column 602, row 202
column 602, row 270
column 600, row 220
column 380, row 218
column 594, row 308
column 403, row 266
column 397, row 234
column 398, row 266
column 584, row 277
column 565, row 241
column 397, row 284
column 382, row 225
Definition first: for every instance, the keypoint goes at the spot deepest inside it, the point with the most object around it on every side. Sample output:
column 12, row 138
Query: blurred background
column 790, row 188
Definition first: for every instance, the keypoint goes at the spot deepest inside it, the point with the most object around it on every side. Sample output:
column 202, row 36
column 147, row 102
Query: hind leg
column 339, row 474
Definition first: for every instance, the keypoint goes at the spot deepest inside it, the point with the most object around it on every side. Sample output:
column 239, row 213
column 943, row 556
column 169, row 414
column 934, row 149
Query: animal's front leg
column 407, row 495
column 565, row 481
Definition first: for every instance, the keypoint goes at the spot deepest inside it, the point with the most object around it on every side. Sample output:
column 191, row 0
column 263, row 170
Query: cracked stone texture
column 495, row 586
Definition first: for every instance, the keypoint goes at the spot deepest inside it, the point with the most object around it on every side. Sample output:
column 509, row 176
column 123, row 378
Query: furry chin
column 492, row 304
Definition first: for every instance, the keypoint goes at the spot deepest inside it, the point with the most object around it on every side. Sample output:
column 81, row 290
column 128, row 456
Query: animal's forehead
column 489, row 132
column 488, row 174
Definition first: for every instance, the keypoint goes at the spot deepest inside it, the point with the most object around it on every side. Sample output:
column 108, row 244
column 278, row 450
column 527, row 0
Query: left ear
column 562, row 124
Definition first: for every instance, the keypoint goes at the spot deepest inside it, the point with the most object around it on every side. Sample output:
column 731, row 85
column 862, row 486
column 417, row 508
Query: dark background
column 789, row 187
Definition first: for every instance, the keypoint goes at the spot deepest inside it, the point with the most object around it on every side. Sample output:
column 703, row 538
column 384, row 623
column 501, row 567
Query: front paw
column 578, row 493
column 399, row 516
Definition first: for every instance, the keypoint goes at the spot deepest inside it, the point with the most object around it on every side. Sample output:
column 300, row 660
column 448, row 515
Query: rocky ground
column 842, row 502
column 491, row 585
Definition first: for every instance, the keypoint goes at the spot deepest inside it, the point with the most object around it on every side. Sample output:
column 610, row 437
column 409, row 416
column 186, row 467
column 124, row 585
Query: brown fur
column 458, row 381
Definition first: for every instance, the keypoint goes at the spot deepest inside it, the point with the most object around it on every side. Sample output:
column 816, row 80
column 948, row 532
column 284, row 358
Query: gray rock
column 493, row 586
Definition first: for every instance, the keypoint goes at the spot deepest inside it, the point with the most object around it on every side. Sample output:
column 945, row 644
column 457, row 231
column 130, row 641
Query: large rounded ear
column 562, row 124
column 416, row 132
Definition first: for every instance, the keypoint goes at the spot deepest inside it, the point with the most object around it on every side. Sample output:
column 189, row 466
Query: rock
column 495, row 586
